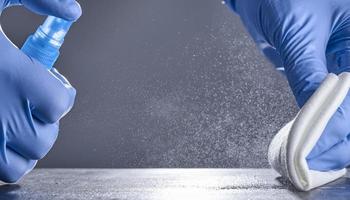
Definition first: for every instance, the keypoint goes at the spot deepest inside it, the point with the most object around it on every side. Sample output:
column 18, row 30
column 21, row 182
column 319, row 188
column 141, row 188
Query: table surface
column 182, row 184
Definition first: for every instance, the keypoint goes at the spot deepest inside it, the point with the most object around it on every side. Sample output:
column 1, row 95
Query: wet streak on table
column 179, row 184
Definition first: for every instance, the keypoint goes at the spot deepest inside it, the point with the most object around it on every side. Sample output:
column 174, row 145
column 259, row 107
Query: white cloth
column 290, row 147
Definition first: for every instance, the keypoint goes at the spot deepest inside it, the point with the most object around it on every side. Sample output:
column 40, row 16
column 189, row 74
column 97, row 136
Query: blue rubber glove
column 33, row 99
column 309, row 39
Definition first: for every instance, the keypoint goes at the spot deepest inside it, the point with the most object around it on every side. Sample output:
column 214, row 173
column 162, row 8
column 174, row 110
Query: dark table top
column 167, row 184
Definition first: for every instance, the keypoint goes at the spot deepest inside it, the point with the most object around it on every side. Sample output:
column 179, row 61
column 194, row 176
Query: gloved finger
column 337, row 157
column 338, row 127
column 50, row 97
column 13, row 166
column 339, row 48
column 58, row 75
column 65, row 9
column 34, row 144
column 336, row 130
column 302, row 46
column 298, row 38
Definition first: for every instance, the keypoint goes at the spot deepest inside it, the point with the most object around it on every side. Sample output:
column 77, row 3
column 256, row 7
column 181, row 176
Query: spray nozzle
column 56, row 29
column 45, row 43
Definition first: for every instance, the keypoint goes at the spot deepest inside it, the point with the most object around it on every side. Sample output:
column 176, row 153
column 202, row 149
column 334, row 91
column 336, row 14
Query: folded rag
column 290, row 147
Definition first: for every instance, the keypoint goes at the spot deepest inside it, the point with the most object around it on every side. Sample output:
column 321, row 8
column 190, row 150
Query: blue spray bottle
column 45, row 43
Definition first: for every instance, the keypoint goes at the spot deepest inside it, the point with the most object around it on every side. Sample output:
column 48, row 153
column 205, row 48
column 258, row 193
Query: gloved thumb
column 65, row 9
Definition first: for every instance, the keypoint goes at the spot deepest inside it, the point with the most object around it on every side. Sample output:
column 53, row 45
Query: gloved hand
column 32, row 100
column 309, row 38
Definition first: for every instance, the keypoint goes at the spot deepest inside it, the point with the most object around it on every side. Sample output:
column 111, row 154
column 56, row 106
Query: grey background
column 163, row 83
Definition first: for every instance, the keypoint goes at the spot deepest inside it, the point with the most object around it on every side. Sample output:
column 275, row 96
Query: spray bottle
column 45, row 43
